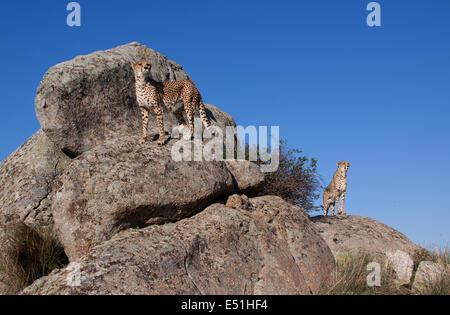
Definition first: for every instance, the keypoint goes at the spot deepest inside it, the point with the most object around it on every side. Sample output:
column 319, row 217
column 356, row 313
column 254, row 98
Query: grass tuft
column 350, row 276
column 441, row 257
column 26, row 256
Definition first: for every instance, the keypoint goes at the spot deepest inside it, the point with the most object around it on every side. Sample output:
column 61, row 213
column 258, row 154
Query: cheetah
column 336, row 190
column 154, row 95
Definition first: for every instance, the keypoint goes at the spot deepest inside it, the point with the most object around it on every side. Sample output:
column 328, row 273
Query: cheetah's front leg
column 325, row 210
column 332, row 209
column 159, row 117
column 338, row 210
column 144, row 113
column 342, row 204
column 190, row 116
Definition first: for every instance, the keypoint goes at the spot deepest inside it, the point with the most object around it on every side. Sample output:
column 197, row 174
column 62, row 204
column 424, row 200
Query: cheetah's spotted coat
column 336, row 190
column 154, row 95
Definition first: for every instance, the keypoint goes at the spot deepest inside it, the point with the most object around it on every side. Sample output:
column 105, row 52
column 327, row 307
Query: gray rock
column 219, row 118
column 356, row 233
column 274, row 249
column 428, row 273
column 122, row 184
column 247, row 175
column 26, row 178
column 82, row 102
column 403, row 265
column 239, row 202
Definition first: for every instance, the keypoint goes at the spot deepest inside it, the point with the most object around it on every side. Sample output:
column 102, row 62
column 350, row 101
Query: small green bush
column 296, row 180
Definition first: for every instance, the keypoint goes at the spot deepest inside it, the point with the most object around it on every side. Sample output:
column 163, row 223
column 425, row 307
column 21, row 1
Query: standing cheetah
column 336, row 190
column 152, row 94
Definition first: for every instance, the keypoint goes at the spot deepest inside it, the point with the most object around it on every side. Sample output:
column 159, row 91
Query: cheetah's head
column 141, row 69
column 343, row 166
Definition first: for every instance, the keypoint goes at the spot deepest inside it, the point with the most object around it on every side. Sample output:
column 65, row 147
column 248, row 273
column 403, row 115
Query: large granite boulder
column 351, row 233
column 247, row 176
column 272, row 249
column 356, row 233
column 430, row 274
column 123, row 184
column 26, row 178
column 403, row 265
column 82, row 102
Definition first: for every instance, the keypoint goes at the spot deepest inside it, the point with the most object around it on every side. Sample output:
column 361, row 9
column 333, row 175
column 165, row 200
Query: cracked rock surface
column 26, row 178
column 272, row 249
column 82, row 102
column 357, row 233
column 427, row 274
column 122, row 184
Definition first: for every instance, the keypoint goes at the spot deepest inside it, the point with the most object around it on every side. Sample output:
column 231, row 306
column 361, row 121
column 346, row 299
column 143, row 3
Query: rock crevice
column 220, row 250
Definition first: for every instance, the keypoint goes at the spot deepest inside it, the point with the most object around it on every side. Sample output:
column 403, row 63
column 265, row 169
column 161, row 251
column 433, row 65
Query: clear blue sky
column 338, row 89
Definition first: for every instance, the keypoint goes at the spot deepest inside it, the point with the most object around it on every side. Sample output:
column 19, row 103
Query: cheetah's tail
column 202, row 111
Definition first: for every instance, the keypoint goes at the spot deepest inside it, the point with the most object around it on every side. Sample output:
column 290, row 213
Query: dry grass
column 350, row 276
column 437, row 255
column 442, row 257
column 26, row 256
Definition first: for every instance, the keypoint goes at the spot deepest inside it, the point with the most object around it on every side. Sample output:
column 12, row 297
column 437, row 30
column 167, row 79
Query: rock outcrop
column 82, row 102
column 238, row 201
column 351, row 233
column 247, row 176
column 273, row 249
column 135, row 220
column 26, row 178
column 130, row 216
column 121, row 184
column 357, row 233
